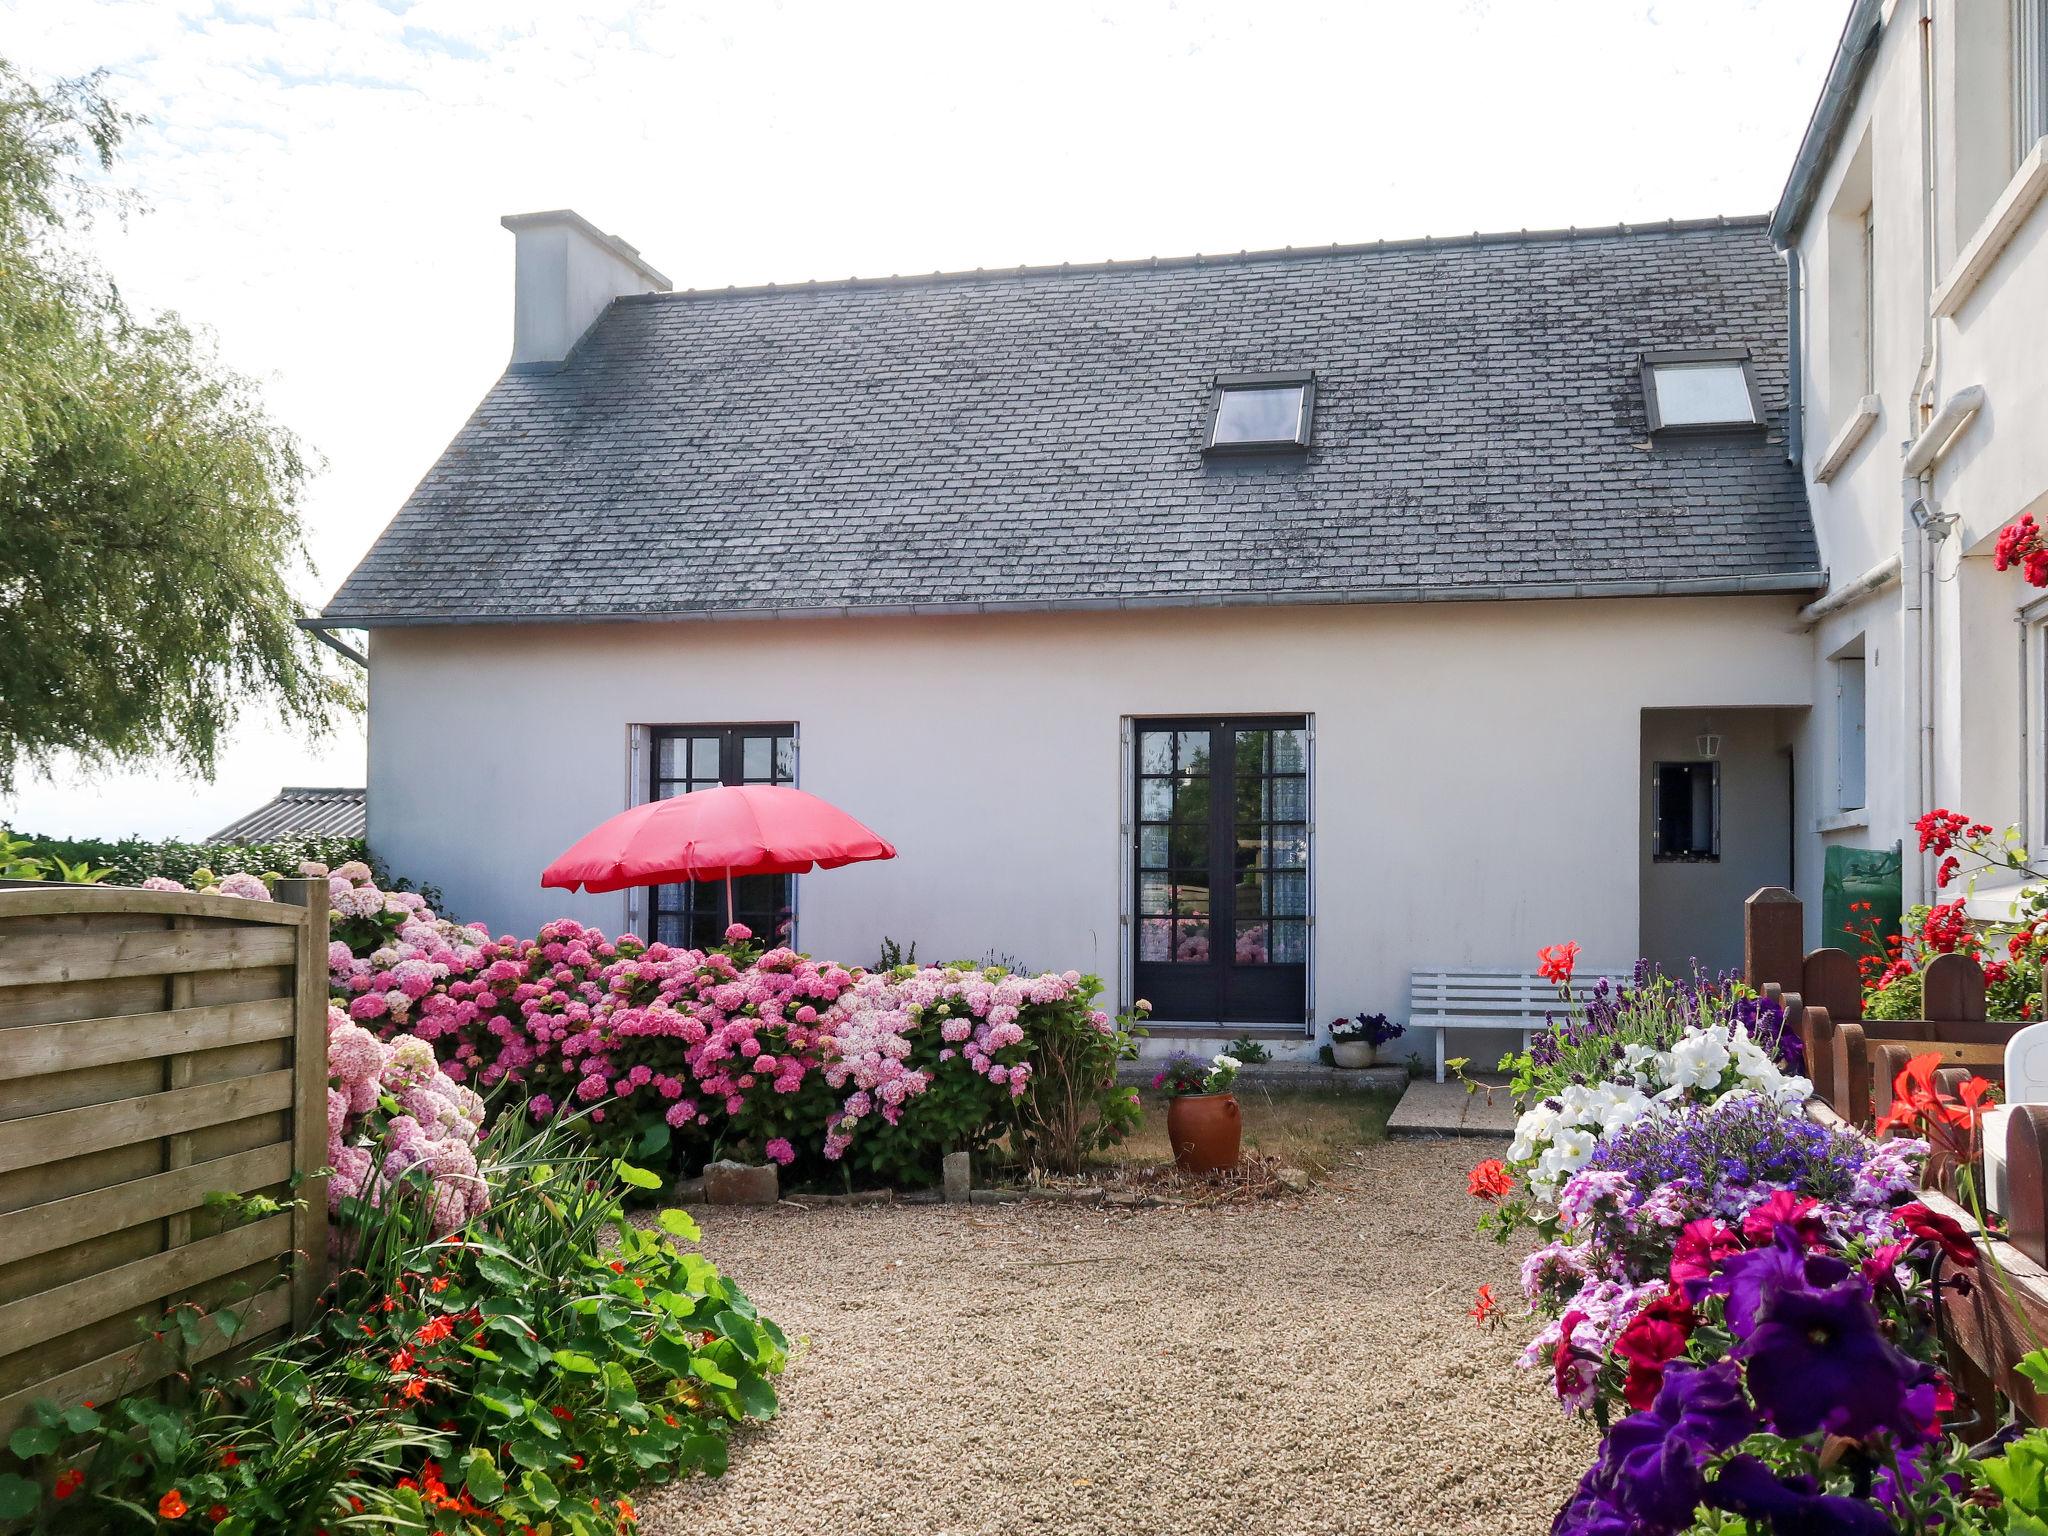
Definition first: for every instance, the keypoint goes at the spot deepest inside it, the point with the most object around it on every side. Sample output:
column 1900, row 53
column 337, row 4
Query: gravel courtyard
column 1301, row 1367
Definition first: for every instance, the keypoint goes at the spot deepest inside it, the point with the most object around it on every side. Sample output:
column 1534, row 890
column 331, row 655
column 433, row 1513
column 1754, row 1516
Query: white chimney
column 565, row 271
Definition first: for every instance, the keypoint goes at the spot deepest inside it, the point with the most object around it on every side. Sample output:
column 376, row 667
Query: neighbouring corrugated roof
column 1031, row 439
column 299, row 812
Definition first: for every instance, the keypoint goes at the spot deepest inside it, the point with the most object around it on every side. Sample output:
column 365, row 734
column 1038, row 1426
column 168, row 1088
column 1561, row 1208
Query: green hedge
column 135, row 859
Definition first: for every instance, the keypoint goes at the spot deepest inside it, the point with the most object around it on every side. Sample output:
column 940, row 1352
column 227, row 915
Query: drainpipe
column 1916, row 549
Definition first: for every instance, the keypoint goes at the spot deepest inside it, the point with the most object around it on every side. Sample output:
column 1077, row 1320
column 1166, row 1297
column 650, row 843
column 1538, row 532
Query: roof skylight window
column 1699, row 391
column 1261, row 413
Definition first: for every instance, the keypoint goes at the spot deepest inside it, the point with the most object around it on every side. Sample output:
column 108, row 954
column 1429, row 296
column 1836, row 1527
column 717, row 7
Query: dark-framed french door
column 1221, row 868
column 686, row 758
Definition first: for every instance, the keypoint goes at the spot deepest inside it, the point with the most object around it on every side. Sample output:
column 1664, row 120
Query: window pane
column 757, row 759
column 1264, row 414
column 1191, row 800
column 673, row 757
column 1288, row 894
column 704, row 757
column 1190, row 845
column 1155, row 751
column 1289, row 800
column 1287, row 847
column 1155, row 893
column 1290, row 942
column 1155, row 939
column 1193, row 747
column 785, row 759
column 1152, row 847
column 1191, row 943
column 1696, row 394
column 1155, row 799
column 1253, row 946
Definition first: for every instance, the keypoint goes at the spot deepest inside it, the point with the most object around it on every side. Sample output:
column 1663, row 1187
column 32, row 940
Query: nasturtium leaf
column 499, row 1405
column 672, row 1355
column 32, row 1440
column 757, row 1397
column 2034, row 1366
column 639, row 1178
column 575, row 1360
column 477, row 1351
column 540, row 1489
column 679, row 1224
column 653, row 1141
column 482, row 1478
column 81, row 1420
column 702, row 1368
column 532, row 1454
column 18, row 1496
column 502, row 1273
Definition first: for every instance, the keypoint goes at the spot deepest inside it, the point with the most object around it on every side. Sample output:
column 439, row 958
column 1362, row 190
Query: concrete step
column 1288, row 1077
column 1451, row 1109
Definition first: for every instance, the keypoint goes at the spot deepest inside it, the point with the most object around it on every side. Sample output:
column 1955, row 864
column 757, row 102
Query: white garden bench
column 1517, row 1000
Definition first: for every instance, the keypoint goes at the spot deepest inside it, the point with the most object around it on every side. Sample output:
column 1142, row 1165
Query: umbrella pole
column 728, row 896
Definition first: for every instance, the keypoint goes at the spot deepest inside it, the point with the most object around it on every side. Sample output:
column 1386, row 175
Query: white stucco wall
column 1476, row 772
column 1987, row 753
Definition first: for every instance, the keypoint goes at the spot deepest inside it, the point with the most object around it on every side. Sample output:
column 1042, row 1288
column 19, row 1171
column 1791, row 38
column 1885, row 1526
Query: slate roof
column 1031, row 439
column 298, row 812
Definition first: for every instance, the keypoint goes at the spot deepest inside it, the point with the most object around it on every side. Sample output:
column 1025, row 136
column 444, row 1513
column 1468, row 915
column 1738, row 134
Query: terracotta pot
column 1206, row 1130
column 1353, row 1053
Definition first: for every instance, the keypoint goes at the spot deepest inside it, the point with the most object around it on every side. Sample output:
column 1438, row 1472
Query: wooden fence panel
column 155, row 1047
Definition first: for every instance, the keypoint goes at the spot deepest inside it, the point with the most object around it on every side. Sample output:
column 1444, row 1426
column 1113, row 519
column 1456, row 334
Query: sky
column 321, row 182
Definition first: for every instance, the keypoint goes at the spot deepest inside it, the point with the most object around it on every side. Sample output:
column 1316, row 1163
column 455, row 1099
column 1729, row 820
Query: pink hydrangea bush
column 393, row 1114
column 728, row 1050
column 248, row 887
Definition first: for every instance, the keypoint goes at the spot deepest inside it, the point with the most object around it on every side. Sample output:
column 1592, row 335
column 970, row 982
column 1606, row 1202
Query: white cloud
column 325, row 177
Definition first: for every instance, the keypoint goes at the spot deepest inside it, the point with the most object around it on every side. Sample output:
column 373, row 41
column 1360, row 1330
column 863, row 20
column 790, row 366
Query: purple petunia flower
column 1748, row 1488
column 1817, row 1359
column 1649, row 1476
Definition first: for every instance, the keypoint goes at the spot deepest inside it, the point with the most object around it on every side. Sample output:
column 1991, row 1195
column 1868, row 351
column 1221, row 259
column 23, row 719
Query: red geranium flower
column 1489, row 1181
column 1945, row 1232
column 1557, row 961
column 1483, row 1306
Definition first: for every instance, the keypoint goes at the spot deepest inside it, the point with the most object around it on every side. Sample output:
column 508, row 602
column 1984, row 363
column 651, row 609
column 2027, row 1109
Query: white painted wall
column 1476, row 784
column 565, row 271
column 1998, row 340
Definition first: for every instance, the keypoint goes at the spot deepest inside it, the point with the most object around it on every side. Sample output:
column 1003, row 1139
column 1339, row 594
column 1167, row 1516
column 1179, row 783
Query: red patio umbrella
column 743, row 829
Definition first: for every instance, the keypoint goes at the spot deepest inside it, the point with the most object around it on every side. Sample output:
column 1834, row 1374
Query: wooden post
column 1832, row 983
column 1954, row 991
column 309, row 1097
column 1851, row 1085
column 1817, row 1034
column 1773, row 938
column 2026, row 1180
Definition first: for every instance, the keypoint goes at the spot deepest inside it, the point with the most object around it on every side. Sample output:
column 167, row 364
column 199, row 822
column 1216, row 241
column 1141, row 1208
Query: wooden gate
column 155, row 1047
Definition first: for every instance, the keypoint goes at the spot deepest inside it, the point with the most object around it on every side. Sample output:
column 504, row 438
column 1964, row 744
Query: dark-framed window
column 1704, row 389
column 686, row 758
column 1260, row 413
column 1685, row 813
column 1220, row 863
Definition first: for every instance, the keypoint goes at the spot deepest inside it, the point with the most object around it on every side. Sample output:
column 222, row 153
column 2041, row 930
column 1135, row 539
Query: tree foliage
column 148, row 503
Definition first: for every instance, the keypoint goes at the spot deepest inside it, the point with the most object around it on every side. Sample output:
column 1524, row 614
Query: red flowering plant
column 2011, row 952
column 2020, row 544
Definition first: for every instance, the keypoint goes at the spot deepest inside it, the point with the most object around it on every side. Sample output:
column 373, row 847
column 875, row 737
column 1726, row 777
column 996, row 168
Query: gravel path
column 1294, row 1368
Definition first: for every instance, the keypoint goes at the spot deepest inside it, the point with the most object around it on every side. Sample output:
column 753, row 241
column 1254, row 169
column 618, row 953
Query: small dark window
column 1685, row 812
column 1710, row 390
column 688, row 758
column 1260, row 413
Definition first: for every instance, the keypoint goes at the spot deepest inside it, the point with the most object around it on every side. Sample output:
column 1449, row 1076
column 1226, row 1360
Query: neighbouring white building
column 1919, row 255
column 1254, row 630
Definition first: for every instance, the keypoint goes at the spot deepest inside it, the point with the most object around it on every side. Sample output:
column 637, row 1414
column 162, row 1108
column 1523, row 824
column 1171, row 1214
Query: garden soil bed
column 1299, row 1366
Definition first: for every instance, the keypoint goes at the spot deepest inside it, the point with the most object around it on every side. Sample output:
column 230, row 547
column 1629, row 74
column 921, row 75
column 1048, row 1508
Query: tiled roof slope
column 298, row 812
column 1032, row 439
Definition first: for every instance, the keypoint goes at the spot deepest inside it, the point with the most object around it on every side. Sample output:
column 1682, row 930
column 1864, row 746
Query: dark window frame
column 1652, row 361
column 1303, row 379
column 1659, row 854
column 732, row 737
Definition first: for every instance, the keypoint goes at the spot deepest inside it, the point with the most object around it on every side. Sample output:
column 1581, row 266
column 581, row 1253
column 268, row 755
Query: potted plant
column 1202, row 1119
column 1356, row 1042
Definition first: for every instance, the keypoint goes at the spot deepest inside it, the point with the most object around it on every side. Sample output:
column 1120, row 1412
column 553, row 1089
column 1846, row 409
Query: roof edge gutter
column 1824, row 129
column 319, row 630
column 1880, row 577
column 1779, row 583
